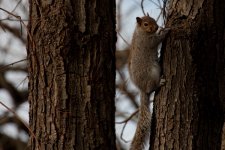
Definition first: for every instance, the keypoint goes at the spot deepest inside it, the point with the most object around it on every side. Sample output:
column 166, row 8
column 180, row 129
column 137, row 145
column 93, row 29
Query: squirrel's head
column 147, row 23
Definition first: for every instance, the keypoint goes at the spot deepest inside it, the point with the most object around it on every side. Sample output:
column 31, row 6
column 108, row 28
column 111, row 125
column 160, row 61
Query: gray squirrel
column 145, row 72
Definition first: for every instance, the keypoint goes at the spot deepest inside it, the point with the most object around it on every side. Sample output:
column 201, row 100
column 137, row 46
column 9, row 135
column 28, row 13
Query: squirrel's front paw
column 167, row 29
column 164, row 30
column 162, row 82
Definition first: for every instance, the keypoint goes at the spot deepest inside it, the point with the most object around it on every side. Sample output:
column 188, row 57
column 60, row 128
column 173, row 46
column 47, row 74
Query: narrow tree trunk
column 189, row 110
column 72, row 74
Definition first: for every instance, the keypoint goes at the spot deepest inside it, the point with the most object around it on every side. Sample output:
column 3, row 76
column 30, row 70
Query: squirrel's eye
column 145, row 24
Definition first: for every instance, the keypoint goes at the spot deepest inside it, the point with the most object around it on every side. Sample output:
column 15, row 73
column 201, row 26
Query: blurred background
column 14, row 15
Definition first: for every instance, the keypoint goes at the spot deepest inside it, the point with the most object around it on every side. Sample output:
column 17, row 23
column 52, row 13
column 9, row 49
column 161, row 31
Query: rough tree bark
column 72, row 74
column 189, row 109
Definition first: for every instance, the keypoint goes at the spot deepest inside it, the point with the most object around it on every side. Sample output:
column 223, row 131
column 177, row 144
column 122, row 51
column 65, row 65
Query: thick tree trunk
column 72, row 74
column 189, row 110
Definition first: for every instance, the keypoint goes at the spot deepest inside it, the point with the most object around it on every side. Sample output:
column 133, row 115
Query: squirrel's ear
column 148, row 15
column 138, row 20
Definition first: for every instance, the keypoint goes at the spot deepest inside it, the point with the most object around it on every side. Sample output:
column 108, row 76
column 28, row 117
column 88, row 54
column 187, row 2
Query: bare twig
column 14, row 68
column 125, row 41
column 121, row 135
column 12, row 119
column 22, row 82
column 14, row 31
column 123, row 88
column 157, row 19
column 30, row 130
column 9, row 65
column 125, row 124
column 129, row 118
column 16, row 5
column 156, row 4
column 142, row 7
column 11, row 19
column 22, row 22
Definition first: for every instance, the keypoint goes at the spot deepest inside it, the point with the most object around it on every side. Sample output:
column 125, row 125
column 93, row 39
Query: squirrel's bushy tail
column 143, row 126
